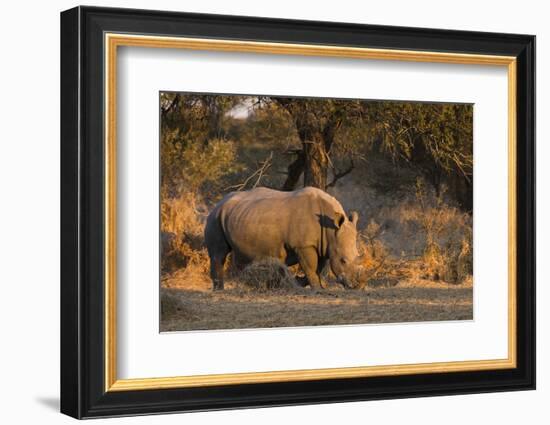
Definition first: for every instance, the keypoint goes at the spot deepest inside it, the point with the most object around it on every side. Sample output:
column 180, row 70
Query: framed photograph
column 261, row 212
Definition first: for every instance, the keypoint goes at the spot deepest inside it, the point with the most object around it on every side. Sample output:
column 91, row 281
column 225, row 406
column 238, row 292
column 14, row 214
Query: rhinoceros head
column 342, row 248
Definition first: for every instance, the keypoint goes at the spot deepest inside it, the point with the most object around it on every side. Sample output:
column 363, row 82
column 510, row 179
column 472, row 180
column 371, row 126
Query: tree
column 317, row 121
column 434, row 138
column 194, row 148
column 325, row 139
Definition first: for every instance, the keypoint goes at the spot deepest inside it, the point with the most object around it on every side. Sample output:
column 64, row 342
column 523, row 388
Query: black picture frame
column 83, row 392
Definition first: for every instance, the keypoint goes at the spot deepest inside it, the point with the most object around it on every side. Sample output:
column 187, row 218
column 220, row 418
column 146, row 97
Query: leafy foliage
column 194, row 150
column 212, row 142
column 435, row 138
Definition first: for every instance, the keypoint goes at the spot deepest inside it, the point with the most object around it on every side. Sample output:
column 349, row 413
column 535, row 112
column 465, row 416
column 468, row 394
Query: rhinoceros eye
column 343, row 260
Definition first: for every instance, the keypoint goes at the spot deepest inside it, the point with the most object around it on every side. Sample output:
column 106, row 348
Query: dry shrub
column 422, row 238
column 377, row 266
column 447, row 232
column 268, row 274
column 460, row 268
column 178, row 254
column 373, row 251
column 182, row 237
column 182, row 215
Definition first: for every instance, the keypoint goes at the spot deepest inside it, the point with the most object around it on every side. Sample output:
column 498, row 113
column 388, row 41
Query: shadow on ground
column 51, row 403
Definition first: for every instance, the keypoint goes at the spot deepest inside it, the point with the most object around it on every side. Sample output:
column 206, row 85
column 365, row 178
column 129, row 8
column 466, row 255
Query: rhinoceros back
column 267, row 223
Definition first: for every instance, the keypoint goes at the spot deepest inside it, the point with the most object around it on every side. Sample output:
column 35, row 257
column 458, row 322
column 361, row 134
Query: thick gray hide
column 307, row 226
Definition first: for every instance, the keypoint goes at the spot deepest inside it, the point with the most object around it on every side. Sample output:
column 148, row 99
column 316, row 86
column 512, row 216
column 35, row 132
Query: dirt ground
column 186, row 306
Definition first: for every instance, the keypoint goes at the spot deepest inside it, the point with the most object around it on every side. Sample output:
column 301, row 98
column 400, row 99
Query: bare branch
column 258, row 174
column 339, row 175
column 174, row 102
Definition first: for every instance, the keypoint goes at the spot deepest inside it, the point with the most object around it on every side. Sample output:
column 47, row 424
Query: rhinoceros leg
column 217, row 263
column 218, row 249
column 308, row 259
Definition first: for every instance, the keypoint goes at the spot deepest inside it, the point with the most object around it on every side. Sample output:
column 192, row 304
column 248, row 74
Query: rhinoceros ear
column 339, row 220
column 353, row 217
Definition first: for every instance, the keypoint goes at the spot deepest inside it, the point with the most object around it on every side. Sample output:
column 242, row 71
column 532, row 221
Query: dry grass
column 422, row 238
column 447, row 233
column 267, row 275
column 182, row 228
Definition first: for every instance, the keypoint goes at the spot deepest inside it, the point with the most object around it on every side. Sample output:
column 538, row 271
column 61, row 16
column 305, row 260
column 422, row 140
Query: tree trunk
column 316, row 163
column 316, row 129
column 463, row 191
column 295, row 170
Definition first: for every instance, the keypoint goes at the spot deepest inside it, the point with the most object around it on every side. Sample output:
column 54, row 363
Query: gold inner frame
column 113, row 41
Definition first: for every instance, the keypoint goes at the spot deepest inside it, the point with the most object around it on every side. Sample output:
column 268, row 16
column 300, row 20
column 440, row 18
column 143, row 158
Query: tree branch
column 174, row 102
column 339, row 175
column 259, row 173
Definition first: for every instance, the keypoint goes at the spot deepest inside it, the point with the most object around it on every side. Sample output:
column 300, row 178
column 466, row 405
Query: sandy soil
column 194, row 306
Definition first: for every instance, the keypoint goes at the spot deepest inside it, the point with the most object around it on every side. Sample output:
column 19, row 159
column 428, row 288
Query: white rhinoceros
column 306, row 226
